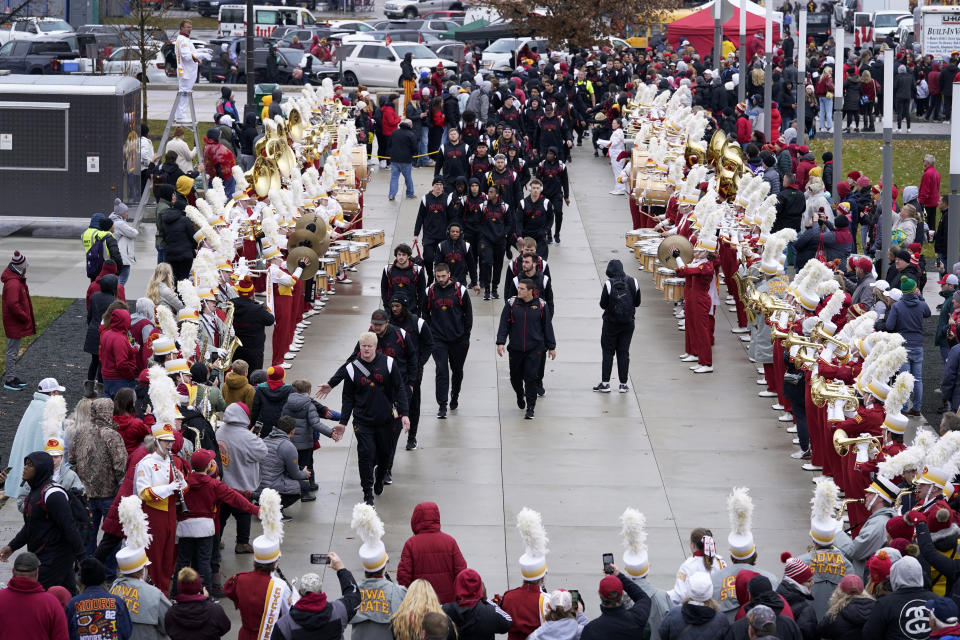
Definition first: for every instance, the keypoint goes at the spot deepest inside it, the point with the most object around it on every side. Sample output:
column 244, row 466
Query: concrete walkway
column 672, row 447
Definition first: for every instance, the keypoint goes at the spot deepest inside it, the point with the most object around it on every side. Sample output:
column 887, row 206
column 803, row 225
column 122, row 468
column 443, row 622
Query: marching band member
column 280, row 302
column 701, row 302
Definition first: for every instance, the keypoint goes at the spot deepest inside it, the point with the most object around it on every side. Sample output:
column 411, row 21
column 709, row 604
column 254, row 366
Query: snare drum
column 648, row 257
column 673, row 289
column 662, row 274
column 637, row 249
column 356, row 253
column 632, row 238
column 378, row 237
column 323, row 280
column 329, row 267
column 334, row 254
column 349, row 200
column 364, row 249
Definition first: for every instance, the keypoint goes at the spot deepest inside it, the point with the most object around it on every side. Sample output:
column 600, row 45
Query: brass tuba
column 265, row 176
column 296, row 125
column 715, row 149
column 695, row 153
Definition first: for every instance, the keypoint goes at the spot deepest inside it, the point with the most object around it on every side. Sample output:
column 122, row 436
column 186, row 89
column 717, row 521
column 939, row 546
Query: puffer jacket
column 802, row 605
column 693, row 622
column 300, row 408
column 217, row 159
column 118, row 358
column 278, row 469
column 236, row 388
column 98, row 306
column 268, row 404
column 848, row 625
column 194, row 617
column 430, row 554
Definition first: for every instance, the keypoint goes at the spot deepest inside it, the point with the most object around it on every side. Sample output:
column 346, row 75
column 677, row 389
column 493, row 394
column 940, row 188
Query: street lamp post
column 801, row 84
column 768, row 72
column 838, row 78
column 886, row 196
column 953, row 215
column 742, row 89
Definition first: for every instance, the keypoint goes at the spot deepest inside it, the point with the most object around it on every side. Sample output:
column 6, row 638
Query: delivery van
column 266, row 19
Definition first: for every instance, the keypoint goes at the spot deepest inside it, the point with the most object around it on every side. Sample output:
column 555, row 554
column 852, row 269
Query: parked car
column 33, row 28
column 306, row 35
column 413, row 8
column 456, row 16
column 128, row 33
column 445, row 49
column 378, row 64
column 314, row 70
column 126, row 61
column 213, row 69
column 885, row 22
column 349, row 26
column 35, row 56
column 499, row 55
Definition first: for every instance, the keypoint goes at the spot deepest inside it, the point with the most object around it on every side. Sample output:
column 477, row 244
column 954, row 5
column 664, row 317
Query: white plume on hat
column 369, row 528
column 826, row 499
column 943, row 449
column 833, row 306
column 633, row 530
column 54, row 412
column 205, row 209
column 850, row 330
column 168, row 324
column 533, row 562
column 241, row 181
column 270, row 516
column 899, row 392
column 740, row 512
column 773, row 251
column 188, row 293
column 163, row 395
column 134, row 522
column 910, row 458
column 188, row 339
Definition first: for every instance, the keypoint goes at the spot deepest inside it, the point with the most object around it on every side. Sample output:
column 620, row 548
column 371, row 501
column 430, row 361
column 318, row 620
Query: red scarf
column 312, row 602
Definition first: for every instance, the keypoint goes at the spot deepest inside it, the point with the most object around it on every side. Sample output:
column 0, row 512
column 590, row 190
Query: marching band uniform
column 868, row 420
column 280, row 300
column 699, row 306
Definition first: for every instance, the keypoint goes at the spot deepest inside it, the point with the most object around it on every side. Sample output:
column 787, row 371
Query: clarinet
column 180, row 501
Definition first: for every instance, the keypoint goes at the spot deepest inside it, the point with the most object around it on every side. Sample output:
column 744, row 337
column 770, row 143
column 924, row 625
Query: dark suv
column 35, row 56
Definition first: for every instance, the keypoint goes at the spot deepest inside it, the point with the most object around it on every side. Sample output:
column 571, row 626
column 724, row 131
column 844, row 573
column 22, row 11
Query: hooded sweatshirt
column 236, row 388
column 39, row 615
column 906, row 318
column 241, row 451
column 430, row 554
column 901, row 615
column 118, row 358
column 476, row 618
column 268, row 404
column 614, row 274
column 194, row 617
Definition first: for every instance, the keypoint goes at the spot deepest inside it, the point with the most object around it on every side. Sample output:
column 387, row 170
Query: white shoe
column 760, row 369
column 345, row 281
column 796, row 441
column 285, row 365
column 289, row 356
column 796, row 455
column 729, row 300
column 744, row 338
column 293, row 349
column 682, row 328
column 792, row 429
column 383, row 164
column 767, row 394
column 689, row 359
column 694, row 367
column 618, row 193
column 703, row 369
column 777, row 407
column 317, row 306
column 684, row 355
column 303, row 323
column 680, row 316
column 331, row 292
column 785, row 418
column 753, row 360
column 740, row 330
column 811, row 467
column 762, row 381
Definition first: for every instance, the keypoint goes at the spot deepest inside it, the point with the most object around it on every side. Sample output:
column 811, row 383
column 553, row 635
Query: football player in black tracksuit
column 543, row 288
column 398, row 344
column 374, row 393
column 526, row 322
column 511, row 192
column 556, row 186
column 536, row 216
column 510, row 116
column 451, row 319
column 459, row 256
column 480, row 162
column 404, row 276
column 432, row 219
column 472, row 205
column 552, row 132
column 529, row 247
column 452, row 159
column 498, row 229
column 617, row 331
column 418, row 329
column 456, row 202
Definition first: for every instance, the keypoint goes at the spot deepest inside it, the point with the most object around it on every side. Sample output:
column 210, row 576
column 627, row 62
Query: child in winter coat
column 301, row 408
column 193, row 616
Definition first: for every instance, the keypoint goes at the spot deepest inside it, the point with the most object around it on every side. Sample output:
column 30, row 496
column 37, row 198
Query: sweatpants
column 243, row 522
column 430, row 249
column 615, row 339
column 305, row 460
column 197, row 553
column 524, row 374
column 56, row 569
column 447, row 357
column 491, row 262
column 374, row 446
column 13, row 349
column 415, row 402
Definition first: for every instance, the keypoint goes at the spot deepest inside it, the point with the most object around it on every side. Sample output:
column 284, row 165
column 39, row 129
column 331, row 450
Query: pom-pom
column 740, row 510
column 270, row 516
column 54, row 411
column 134, row 522
column 633, row 530
column 532, row 533
column 366, row 523
column 786, row 555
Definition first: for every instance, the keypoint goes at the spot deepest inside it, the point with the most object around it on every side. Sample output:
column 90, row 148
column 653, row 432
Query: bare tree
column 11, row 15
column 577, row 22
column 141, row 33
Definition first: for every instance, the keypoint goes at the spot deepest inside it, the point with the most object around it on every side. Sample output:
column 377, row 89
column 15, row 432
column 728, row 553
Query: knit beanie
column 275, row 373
column 118, row 207
column 897, row 527
column 19, row 261
column 879, row 567
column 908, row 285
column 795, row 569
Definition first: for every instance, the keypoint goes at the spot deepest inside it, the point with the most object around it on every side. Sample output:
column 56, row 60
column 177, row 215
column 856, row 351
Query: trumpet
column 867, row 446
column 837, row 396
column 833, row 347
column 794, row 340
column 776, row 334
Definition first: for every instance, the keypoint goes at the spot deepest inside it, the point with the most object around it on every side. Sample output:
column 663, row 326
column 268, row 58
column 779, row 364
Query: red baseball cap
column 948, row 279
column 610, row 588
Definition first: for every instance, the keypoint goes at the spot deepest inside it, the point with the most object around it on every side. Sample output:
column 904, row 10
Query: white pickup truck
column 33, row 29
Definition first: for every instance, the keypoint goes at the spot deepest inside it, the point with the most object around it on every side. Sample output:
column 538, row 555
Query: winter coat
column 300, row 407
column 17, row 308
column 802, row 605
column 483, row 621
column 313, row 617
column 194, row 617
column 39, row 615
column 268, row 404
column 126, row 237
column 29, row 438
column 95, row 603
column 389, row 120
column 177, row 234
column 803, row 170
column 203, row 498
column 279, row 468
column 929, row 194
column 906, row 318
column 787, row 629
column 132, row 430
column 430, row 554
column 693, row 622
column 621, row 623
column 118, row 358
column 903, row 86
column 241, row 451
column 218, row 160
column 848, row 624
column 808, row 243
column 98, row 306
column 909, row 595
column 236, row 388
column 451, row 110
column 108, row 268
column 565, row 629
column 950, row 388
column 403, row 145
column 791, row 205
column 98, row 456
column 851, row 94
column 49, row 529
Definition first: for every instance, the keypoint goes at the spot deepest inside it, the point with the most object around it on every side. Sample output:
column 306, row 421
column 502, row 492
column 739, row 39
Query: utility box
column 69, row 145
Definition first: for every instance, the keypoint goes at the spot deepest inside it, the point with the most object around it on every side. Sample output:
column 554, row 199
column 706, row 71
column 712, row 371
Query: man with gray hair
column 403, row 148
column 313, row 614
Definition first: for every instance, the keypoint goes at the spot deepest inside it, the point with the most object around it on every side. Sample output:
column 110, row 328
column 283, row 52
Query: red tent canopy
column 698, row 29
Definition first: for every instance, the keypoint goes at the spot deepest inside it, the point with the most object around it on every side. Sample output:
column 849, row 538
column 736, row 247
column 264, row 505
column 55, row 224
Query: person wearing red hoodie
column 218, row 160
column 17, row 311
column 776, row 121
column 131, row 428
column 39, row 616
column 929, row 195
column 804, row 165
column 430, row 554
column 109, row 268
column 199, row 523
column 118, row 358
column 389, row 121
column 744, row 128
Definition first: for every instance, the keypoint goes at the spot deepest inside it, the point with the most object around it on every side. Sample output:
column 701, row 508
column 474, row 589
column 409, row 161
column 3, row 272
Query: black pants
column 56, row 568
column 287, row 499
column 543, row 249
column 181, row 268
column 108, row 547
column 243, row 522
column 557, row 201
column 430, row 248
column 197, row 553
column 795, row 394
column 453, row 354
column 524, row 374
column 853, row 117
column 491, row 262
column 93, row 371
column 415, row 401
column 253, row 357
column 615, row 339
column 903, row 111
column 305, row 460
column 374, row 447
column 931, row 217
column 934, row 111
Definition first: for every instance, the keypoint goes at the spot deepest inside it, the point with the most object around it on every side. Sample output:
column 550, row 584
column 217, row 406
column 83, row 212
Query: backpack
column 79, row 508
column 95, row 256
column 621, row 301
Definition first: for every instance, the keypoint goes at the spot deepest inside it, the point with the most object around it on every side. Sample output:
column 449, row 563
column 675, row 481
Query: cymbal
column 665, row 251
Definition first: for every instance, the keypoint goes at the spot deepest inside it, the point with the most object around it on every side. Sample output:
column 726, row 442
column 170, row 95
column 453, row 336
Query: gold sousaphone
column 264, row 176
column 665, row 251
column 295, row 125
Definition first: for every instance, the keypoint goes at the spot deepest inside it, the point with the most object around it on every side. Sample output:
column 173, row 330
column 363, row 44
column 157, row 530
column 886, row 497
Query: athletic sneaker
column 603, row 387
column 623, row 387
column 411, row 444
